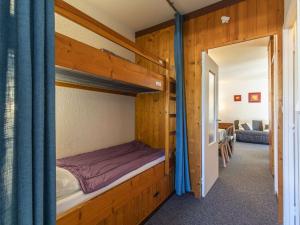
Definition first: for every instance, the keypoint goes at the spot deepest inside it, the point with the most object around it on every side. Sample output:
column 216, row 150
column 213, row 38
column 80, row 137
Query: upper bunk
column 80, row 65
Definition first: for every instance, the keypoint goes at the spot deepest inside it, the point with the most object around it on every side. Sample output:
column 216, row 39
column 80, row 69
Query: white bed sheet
column 62, row 205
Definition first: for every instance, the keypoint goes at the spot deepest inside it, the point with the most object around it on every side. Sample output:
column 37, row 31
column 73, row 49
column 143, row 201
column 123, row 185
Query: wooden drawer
column 71, row 218
column 127, row 204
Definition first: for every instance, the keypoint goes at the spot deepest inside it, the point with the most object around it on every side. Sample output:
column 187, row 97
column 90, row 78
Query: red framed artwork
column 254, row 97
column 237, row 98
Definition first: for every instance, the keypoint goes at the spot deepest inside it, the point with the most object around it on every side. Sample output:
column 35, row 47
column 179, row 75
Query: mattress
column 97, row 169
column 75, row 196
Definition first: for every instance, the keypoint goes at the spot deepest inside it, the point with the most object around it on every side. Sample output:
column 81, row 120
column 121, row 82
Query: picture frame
column 237, row 98
column 254, row 97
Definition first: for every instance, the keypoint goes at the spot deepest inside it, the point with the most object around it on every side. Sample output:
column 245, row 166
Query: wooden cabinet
column 127, row 204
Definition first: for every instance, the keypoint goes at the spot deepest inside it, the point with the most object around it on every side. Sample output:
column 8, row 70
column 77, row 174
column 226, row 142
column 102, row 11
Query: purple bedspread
column 98, row 169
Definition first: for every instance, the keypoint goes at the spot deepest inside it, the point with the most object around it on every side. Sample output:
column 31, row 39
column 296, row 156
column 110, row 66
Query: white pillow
column 66, row 183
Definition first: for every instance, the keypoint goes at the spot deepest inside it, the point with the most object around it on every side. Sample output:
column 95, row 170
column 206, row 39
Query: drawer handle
column 156, row 194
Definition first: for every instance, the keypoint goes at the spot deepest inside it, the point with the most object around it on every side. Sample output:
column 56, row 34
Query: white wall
column 89, row 121
column 243, row 68
column 243, row 111
column 75, row 31
column 86, row 120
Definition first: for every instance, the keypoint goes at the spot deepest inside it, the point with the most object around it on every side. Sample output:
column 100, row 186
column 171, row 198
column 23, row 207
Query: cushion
column 66, row 183
column 236, row 124
column 245, row 126
column 257, row 125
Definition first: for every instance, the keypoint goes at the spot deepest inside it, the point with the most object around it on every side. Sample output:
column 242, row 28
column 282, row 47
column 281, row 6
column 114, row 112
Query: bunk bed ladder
column 167, row 124
column 168, row 116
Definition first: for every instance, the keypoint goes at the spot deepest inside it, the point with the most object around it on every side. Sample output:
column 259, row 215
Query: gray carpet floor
column 243, row 195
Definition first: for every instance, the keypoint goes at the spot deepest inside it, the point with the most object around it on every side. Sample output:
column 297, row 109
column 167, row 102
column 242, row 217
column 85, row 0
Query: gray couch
column 257, row 135
column 252, row 136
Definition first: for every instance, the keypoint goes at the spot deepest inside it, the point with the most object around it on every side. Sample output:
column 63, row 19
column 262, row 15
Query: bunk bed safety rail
column 66, row 10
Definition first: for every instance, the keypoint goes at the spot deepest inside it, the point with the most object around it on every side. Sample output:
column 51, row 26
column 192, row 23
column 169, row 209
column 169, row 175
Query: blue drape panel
column 27, row 113
column 182, row 177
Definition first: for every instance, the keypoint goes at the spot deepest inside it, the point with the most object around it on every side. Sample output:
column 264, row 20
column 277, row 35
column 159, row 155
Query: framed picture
column 237, row 98
column 254, row 97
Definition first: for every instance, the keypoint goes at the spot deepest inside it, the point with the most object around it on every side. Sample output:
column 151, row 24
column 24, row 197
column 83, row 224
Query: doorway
column 247, row 80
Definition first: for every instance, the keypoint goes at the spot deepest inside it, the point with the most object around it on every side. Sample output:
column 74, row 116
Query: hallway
column 243, row 195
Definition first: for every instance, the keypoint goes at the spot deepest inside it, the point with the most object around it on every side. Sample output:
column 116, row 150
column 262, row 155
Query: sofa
column 252, row 136
column 257, row 134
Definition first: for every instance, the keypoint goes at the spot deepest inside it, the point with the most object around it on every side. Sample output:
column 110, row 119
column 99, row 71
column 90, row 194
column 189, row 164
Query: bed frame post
column 167, row 122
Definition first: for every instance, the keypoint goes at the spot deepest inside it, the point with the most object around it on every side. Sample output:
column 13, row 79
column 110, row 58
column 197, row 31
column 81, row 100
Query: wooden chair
column 230, row 139
column 223, row 149
column 222, row 153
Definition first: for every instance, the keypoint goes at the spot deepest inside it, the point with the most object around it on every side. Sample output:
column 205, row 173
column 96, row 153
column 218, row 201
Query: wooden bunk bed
column 84, row 67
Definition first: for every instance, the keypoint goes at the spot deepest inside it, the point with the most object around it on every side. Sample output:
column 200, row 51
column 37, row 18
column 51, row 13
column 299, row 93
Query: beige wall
column 229, row 110
column 85, row 120
column 75, row 31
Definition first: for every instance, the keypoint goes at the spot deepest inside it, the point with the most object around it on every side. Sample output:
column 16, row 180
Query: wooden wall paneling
column 201, row 25
column 250, row 19
column 138, row 59
column 262, row 17
column 171, row 52
column 271, row 103
column 189, row 71
column 164, row 49
column 222, row 31
column 150, row 119
column 234, row 23
column 280, row 126
column 242, row 18
column 159, row 43
column 210, row 20
column 272, row 16
column 154, row 49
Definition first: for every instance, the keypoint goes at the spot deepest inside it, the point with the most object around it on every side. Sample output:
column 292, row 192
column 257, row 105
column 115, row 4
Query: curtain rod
column 171, row 4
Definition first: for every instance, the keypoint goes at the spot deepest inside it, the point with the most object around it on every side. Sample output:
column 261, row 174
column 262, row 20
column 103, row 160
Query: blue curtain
column 182, row 177
column 27, row 113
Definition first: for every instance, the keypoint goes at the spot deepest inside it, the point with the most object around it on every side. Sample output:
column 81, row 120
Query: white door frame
column 209, row 150
column 275, row 119
column 291, row 117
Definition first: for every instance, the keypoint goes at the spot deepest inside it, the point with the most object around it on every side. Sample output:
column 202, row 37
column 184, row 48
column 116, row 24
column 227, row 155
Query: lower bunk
column 124, row 200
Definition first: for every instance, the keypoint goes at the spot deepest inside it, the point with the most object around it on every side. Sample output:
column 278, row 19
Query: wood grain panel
column 280, row 127
column 250, row 19
column 271, row 104
column 78, row 56
column 128, row 203
column 92, row 88
column 150, row 121
column 77, row 16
